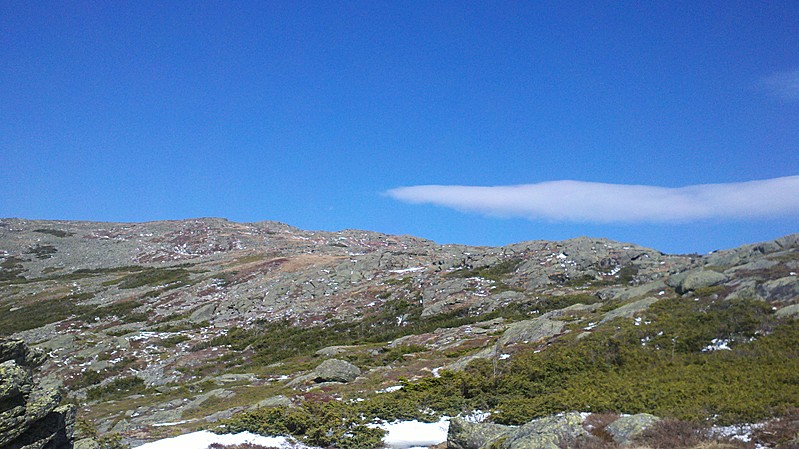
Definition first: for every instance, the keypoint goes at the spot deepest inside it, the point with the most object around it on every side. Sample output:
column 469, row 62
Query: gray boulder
column 203, row 313
column 743, row 254
column 784, row 290
column 629, row 310
column 789, row 311
column 531, row 331
column 463, row 434
column 691, row 280
column 626, row 428
column 627, row 293
column 545, row 433
column 274, row 401
column 759, row 264
column 331, row 351
column 334, row 370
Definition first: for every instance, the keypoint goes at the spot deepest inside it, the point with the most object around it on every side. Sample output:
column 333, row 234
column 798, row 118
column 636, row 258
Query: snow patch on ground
column 399, row 435
column 202, row 439
column 415, row 434
column 408, row 270
column 390, row 389
column 717, row 344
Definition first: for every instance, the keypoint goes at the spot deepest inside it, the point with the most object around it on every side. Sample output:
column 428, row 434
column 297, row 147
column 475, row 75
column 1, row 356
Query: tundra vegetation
column 212, row 324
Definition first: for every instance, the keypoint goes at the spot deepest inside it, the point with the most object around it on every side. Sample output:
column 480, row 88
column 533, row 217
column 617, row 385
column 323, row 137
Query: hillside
column 156, row 328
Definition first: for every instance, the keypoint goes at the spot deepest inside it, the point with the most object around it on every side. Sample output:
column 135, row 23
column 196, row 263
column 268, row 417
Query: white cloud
column 578, row 201
column 783, row 85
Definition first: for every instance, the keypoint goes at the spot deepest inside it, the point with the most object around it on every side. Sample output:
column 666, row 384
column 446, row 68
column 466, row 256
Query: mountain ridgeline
column 164, row 327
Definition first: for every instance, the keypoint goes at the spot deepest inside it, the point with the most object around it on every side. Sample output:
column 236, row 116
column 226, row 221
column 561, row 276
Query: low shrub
column 322, row 424
column 118, row 388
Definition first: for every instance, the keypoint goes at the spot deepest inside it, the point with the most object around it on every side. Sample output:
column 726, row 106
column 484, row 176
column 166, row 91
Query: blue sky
column 316, row 113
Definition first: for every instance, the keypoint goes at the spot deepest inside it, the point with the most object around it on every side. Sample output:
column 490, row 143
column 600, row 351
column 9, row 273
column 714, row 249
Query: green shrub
column 55, row 232
column 42, row 251
column 154, row 277
column 331, row 424
column 173, row 340
column 11, row 268
column 117, row 389
column 40, row 313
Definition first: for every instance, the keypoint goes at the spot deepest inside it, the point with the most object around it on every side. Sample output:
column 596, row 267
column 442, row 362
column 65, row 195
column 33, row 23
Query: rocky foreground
column 31, row 415
column 165, row 327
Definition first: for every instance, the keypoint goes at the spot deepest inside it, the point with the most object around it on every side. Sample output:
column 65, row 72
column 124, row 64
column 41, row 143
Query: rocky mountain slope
column 157, row 327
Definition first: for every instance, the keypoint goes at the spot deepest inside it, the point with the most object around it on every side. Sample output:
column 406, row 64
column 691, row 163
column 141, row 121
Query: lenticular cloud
column 578, row 201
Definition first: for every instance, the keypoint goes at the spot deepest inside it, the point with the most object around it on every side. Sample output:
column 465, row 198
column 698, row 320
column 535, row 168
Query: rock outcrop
column 334, row 370
column 464, row 434
column 31, row 417
column 626, row 428
column 551, row 432
column 542, row 433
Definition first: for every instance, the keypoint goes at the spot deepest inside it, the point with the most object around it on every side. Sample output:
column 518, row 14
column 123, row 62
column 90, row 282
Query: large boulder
column 789, row 311
column 531, row 331
column 545, row 433
column 785, row 290
column 334, row 370
column 630, row 310
column 688, row 281
column 30, row 416
column 464, row 434
column 626, row 428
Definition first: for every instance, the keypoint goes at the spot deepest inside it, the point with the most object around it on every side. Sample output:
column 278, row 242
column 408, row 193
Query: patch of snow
column 504, row 356
column 741, row 432
column 408, row 270
column 167, row 424
column 717, row 344
column 414, row 434
column 476, row 416
column 203, row 439
column 436, row 371
column 390, row 389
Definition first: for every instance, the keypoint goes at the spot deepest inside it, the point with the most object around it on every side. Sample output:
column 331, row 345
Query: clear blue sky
column 309, row 112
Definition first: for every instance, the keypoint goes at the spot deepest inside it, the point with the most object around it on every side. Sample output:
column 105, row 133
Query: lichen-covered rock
column 331, row 351
column 629, row 310
column 274, row 401
column 463, row 434
column 14, row 381
column 545, row 433
column 87, row 443
column 30, row 416
column 626, row 428
column 21, row 353
column 785, row 289
column 626, row 293
column 691, row 280
column 531, row 331
column 334, row 370
column 788, row 311
column 203, row 313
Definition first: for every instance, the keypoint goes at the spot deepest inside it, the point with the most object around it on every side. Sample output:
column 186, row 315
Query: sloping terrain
column 162, row 326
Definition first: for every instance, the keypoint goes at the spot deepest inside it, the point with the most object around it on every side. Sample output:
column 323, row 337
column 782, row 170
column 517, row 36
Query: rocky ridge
column 145, row 313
